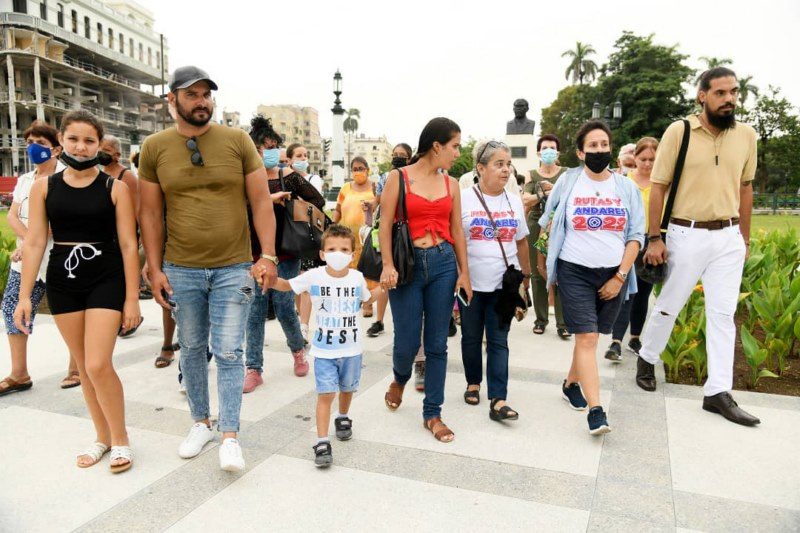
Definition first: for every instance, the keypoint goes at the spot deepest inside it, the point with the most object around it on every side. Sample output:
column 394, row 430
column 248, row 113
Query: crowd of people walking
column 217, row 212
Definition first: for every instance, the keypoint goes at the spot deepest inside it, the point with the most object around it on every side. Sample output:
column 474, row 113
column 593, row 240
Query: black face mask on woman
column 78, row 163
column 104, row 158
column 597, row 161
column 399, row 161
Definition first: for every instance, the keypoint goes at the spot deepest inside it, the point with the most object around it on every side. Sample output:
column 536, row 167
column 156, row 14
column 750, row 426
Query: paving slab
column 548, row 434
column 47, row 492
column 712, row 456
column 345, row 499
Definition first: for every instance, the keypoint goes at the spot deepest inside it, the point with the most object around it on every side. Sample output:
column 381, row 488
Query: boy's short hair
column 337, row 230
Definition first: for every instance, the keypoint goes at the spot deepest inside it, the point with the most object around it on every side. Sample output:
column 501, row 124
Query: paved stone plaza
column 667, row 465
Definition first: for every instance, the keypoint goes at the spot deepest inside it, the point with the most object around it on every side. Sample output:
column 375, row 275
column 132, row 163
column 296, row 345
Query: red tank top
column 428, row 215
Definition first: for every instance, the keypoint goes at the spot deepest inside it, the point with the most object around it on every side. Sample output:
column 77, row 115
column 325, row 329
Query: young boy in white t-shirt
column 337, row 294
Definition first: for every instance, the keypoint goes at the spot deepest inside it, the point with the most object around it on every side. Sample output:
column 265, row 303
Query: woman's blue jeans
column 427, row 299
column 283, row 303
column 477, row 317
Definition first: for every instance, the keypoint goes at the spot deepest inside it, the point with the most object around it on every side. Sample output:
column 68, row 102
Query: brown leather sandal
column 394, row 396
column 72, row 380
column 9, row 386
column 439, row 429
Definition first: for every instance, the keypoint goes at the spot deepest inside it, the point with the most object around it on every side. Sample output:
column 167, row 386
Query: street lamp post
column 611, row 114
column 337, row 145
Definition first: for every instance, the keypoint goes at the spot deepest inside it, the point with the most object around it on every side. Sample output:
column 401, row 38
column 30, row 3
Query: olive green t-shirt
column 206, row 205
column 535, row 212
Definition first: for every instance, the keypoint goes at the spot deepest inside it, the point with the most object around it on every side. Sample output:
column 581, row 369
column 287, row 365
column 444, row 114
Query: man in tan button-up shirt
column 708, row 235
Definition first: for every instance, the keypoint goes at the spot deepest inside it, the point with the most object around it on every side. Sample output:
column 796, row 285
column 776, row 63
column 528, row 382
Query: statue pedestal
column 523, row 153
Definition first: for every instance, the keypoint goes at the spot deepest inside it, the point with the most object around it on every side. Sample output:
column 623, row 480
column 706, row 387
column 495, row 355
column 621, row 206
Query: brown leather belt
column 709, row 225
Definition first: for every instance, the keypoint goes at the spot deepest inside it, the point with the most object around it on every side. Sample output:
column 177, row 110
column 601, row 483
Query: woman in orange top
column 352, row 206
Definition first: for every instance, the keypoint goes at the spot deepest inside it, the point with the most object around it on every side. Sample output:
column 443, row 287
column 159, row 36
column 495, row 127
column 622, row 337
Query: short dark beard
column 188, row 116
column 720, row 121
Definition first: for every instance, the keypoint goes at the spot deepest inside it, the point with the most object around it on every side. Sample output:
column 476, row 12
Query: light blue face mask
column 549, row 156
column 300, row 166
column 271, row 157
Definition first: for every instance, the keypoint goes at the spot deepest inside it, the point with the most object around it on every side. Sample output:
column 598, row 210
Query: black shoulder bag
column 510, row 298
column 658, row 273
column 302, row 228
column 371, row 263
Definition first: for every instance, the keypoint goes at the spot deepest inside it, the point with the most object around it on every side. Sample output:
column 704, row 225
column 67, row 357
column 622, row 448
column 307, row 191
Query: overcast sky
column 405, row 62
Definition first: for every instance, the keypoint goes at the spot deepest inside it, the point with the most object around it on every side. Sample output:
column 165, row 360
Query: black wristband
column 651, row 238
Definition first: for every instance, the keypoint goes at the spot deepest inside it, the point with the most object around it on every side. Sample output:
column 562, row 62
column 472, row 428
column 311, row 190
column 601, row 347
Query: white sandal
column 121, row 452
column 96, row 452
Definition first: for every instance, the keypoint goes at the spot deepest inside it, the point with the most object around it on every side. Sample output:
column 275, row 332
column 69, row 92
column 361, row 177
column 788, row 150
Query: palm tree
column 350, row 123
column 712, row 62
column 580, row 67
column 746, row 89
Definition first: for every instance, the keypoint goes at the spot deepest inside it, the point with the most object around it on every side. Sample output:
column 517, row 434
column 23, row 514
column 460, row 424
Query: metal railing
column 61, row 33
column 103, row 73
column 775, row 201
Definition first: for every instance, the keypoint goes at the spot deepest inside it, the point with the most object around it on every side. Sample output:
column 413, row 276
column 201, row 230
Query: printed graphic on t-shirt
column 480, row 227
column 593, row 213
column 336, row 303
column 337, row 316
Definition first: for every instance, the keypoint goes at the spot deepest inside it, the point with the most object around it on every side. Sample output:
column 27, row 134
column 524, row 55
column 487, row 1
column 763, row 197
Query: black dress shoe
column 724, row 404
column 645, row 375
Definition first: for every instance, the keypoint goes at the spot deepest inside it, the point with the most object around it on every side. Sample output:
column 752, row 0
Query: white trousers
column 717, row 259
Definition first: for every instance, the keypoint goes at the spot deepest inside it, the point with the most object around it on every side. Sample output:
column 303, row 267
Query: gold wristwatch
column 273, row 258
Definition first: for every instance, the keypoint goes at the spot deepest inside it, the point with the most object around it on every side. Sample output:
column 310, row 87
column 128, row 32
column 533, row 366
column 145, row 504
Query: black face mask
column 104, row 158
column 597, row 161
column 78, row 164
column 399, row 162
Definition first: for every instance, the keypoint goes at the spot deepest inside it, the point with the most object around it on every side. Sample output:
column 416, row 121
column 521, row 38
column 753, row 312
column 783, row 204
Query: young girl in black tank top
column 93, row 276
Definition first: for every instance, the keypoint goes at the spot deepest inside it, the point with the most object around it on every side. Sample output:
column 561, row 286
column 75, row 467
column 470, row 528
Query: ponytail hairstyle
column 261, row 130
column 439, row 129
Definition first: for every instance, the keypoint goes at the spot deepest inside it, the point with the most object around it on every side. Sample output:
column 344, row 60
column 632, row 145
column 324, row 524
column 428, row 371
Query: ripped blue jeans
column 210, row 311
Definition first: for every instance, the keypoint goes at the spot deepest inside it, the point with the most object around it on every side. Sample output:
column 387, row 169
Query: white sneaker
column 304, row 331
column 198, row 436
column 230, row 456
column 182, row 388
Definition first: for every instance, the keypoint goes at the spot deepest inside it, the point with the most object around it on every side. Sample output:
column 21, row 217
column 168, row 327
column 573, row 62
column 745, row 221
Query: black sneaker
column 635, row 345
column 614, row 352
column 574, row 396
column 344, row 428
column 598, row 423
column 453, row 330
column 323, row 457
column 375, row 329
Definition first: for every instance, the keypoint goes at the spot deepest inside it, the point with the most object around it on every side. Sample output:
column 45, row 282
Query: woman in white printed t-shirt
column 485, row 233
column 43, row 151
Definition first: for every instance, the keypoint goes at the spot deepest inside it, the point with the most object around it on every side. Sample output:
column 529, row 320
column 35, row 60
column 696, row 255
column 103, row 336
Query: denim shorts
column 584, row 311
column 342, row 374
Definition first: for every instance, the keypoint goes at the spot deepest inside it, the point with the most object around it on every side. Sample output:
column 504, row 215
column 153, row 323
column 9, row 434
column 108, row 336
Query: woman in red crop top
column 433, row 202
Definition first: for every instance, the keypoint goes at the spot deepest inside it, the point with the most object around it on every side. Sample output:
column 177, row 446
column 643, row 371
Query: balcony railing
column 103, row 73
column 21, row 19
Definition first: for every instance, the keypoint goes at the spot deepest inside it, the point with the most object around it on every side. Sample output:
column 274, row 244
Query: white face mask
column 338, row 260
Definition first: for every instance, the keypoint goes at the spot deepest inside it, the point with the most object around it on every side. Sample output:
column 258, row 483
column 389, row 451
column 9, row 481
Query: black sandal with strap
column 472, row 397
column 164, row 362
column 504, row 413
column 564, row 333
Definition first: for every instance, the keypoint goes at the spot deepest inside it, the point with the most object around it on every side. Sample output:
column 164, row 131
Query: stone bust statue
column 521, row 125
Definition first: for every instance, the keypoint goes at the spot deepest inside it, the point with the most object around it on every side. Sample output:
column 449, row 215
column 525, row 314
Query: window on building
column 158, row 59
column 20, row 6
column 74, row 21
column 110, row 38
column 141, row 52
column 149, row 56
column 374, row 159
column 121, row 43
column 99, row 33
column 87, row 27
column 60, row 15
column 130, row 47
column 374, row 147
column 43, row 10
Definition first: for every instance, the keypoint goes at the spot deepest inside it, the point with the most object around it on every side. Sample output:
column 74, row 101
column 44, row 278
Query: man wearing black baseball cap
column 206, row 174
